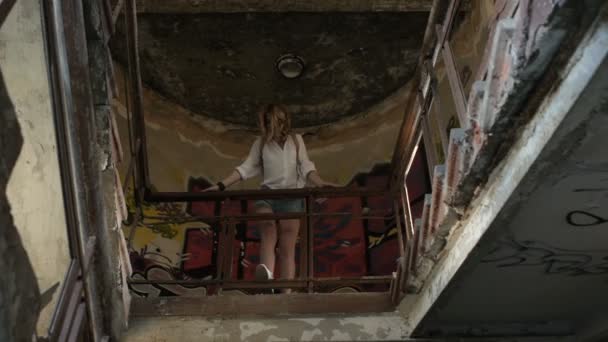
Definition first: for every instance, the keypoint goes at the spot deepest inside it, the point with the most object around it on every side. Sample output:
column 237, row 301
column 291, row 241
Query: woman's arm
column 232, row 179
column 308, row 167
column 249, row 168
column 314, row 178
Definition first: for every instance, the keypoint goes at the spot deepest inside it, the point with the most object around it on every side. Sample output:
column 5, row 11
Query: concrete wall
column 34, row 189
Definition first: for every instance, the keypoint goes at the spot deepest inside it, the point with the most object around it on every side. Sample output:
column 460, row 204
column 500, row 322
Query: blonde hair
column 274, row 122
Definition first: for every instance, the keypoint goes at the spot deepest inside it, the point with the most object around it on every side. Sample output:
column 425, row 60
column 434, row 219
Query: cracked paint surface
column 384, row 327
column 222, row 66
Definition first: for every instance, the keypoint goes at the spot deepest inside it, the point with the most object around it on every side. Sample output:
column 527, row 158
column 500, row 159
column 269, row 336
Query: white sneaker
column 262, row 272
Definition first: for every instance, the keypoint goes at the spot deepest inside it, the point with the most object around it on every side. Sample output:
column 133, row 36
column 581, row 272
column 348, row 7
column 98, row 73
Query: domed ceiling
column 224, row 65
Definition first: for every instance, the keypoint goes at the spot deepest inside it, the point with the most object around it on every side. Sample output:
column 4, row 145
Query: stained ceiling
column 222, row 65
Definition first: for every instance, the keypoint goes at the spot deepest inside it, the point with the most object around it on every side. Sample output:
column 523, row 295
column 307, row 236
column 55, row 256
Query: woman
column 281, row 158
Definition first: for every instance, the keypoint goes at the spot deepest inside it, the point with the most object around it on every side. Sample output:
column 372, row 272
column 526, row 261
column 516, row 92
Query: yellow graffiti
column 378, row 240
column 161, row 229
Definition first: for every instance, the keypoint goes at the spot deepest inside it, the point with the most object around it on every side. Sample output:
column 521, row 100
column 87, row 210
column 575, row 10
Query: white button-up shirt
column 280, row 171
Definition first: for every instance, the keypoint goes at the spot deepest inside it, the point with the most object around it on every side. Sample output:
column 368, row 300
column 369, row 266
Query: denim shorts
column 283, row 206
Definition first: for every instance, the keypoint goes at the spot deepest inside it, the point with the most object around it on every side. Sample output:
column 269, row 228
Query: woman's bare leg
column 268, row 235
column 287, row 248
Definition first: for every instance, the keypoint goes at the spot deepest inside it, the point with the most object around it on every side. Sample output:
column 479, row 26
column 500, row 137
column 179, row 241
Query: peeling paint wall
column 34, row 189
column 182, row 145
column 222, row 65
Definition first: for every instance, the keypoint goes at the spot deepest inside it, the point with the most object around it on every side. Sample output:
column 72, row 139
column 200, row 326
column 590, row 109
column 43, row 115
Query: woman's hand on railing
column 212, row 188
column 326, row 184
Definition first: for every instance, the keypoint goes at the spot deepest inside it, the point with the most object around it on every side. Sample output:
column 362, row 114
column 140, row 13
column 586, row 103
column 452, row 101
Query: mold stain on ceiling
column 223, row 65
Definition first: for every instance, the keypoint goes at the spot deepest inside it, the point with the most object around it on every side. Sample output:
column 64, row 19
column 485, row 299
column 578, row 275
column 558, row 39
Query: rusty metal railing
column 416, row 127
column 306, row 279
column 138, row 168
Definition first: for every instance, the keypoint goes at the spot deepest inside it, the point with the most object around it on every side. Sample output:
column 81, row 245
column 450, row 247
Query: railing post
column 230, row 228
column 443, row 33
column 219, row 261
column 434, row 92
column 311, row 243
column 304, row 243
column 429, row 145
column 400, row 240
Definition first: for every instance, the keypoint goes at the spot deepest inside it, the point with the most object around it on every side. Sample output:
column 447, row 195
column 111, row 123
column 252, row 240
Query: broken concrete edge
column 472, row 153
column 111, row 287
column 537, row 72
column 503, row 181
column 577, row 133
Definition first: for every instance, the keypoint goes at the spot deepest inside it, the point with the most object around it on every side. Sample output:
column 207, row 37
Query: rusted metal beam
column 429, row 143
column 448, row 22
column 304, row 246
column 460, row 100
column 410, row 126
column 392, row 290
column 280, row 304
column 400, row 237
column 221, row 254
column 436, row 14
column 136, row 95
column 436, row 103
column 275, row 283
column 310, row 233
column 232, row 6
column 409, row 223
column 262, row 194
column 259, row 217
column 229, row 249
column 407, row 133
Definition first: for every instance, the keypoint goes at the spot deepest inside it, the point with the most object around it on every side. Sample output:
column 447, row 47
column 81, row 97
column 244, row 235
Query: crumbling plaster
column 222, row 66
column 181, row 144
column 387, row 327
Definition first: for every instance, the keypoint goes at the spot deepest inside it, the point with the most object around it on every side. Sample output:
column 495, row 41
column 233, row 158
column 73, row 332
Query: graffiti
column 163, row 218
column 340, row 242
column 172, row 244
column 579, row 218
column 153, row 265
column 527, row 253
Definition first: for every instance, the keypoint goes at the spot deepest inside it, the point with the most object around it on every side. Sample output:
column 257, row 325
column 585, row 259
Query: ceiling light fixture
column 290, row 66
